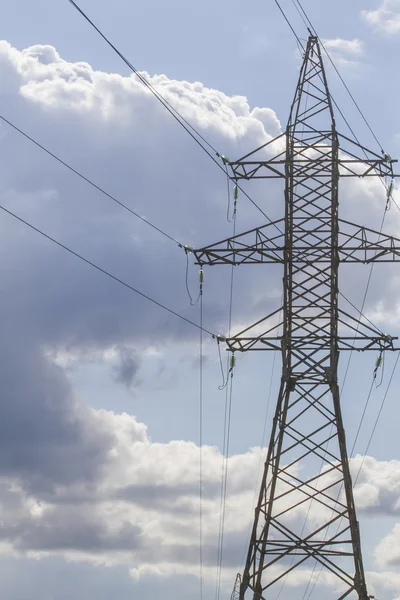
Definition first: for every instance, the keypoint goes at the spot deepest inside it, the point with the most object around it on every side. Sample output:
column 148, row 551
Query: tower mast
column 305, row 515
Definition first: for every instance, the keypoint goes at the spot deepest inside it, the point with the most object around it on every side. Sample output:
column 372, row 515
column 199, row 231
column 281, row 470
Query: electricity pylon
column 305, row 516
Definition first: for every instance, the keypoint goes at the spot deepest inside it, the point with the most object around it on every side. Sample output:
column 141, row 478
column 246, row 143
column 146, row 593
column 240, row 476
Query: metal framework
column 305, row 515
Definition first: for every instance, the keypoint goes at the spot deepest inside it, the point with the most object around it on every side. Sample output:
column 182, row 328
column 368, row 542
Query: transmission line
column 192, row 131
column 308, row 22
column 89, row 181
column 224, row 482
column 107, row 273
column 173, row 111
column 289, row 24
column 378, row 416
column 339, row 75
column 227, row 426
column 201, row 441
column 362, row 461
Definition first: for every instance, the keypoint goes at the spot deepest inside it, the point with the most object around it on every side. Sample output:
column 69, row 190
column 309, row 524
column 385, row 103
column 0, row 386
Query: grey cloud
column 64, row 531
column 50, row 301
column 45, row 439
column 125, row 372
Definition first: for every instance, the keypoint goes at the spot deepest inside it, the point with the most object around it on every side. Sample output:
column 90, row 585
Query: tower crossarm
column 359, row 343
column 259, row 245
column 361, row 244
column 354, row 160
column 354, row 334
column 266, row 244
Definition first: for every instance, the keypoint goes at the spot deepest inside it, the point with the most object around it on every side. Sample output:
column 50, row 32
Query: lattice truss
column 305, row 518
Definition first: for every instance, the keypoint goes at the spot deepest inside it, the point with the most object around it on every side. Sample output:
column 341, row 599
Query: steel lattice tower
column 305, row 515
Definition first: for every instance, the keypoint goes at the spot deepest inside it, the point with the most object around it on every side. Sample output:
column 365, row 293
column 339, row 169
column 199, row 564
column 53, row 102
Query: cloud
column 386, row 583
column 114, row 130
column 386, row 18
column 388, row 550
column 378, row 485
column 85, row 484
column 345, row 52
column 127, row 367
column 119, row 514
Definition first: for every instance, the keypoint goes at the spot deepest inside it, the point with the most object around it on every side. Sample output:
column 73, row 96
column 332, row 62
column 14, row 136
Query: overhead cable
column 89, row 181
column 378, row 417
column 107, row 273
column 289, row 23
column 192, row 131
column 201, row 365
column 228, row 385
column 339, row 75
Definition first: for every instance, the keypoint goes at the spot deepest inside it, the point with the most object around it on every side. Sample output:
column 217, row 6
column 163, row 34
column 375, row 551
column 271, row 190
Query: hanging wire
column 104, row 271
column 201, row 361
column 226, row 437
column 224, row 379
column 224, row 481
column 192, row 131
column 261, row 455
column 289, row 23
column 90, row 182
column 378, row 417
column 201, row 279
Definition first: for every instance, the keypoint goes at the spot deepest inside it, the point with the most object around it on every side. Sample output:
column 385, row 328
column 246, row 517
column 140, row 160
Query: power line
column 289, row 23
column 174, row 112
column 224, row 485
column 334, row 66
column 201, row 442
column 226, row 439
column 378, row 416
column 192, row 131
column 89, row 181
column 101, row 270
column 362, row 461
column 339, row 75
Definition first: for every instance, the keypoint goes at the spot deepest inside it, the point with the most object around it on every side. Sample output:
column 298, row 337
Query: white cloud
column 378, row 484
column 91, row 485
column 384, row 583
column 386, row 18
column 345, row 52
column 388, row 551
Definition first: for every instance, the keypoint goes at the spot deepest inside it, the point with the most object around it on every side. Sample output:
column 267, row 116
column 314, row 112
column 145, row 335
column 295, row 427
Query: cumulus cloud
column 89, row 484
column 386, row 18
column 378, row 485
column 141, row 496
column 388, row 550
column 345, row 52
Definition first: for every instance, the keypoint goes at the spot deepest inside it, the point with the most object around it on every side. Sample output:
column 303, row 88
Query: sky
column 100, row 428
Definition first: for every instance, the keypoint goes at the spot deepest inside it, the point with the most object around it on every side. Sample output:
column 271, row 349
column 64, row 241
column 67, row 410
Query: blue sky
column 99, row 471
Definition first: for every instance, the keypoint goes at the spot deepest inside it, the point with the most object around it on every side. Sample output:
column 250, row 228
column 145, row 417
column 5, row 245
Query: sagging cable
column 189, row 250
column 231, row 363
